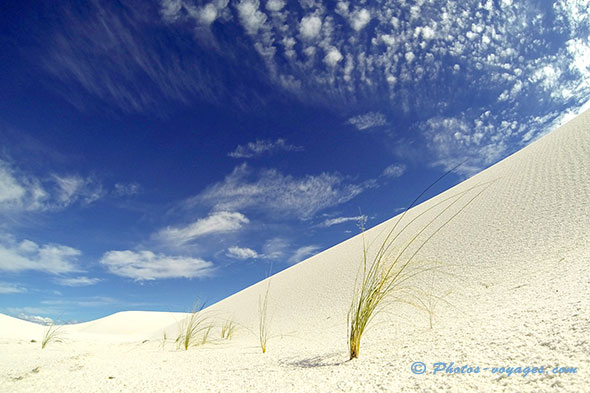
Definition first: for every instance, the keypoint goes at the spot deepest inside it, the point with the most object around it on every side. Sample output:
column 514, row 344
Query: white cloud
column 258, row 148
column 77, row 281
column 310, row 26
column 481, row 142
column 19, row 192
column 174, row 10
column 216, row 222
column 333, row 57
column 275, row 5
column 146, row 265
column 9, row 288
column 303, row 253
column 341, row 220
column 251, row 17
column 208, row 14
column 10, row 189
column 35, row 319
column 170, row 9
column 28, row 255
column 276, row 194
column 242, row 253
column 394, row 170
column 368, row 120
column 360, row 19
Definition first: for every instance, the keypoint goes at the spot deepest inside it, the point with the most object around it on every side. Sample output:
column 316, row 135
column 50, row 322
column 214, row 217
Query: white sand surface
column 514, row 269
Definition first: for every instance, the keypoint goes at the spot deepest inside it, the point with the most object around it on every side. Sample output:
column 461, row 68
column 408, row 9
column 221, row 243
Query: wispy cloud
column 73, row 188
column 28, row 255
column 368, row 120
column 9, row 288
column 91, row 301
column 275, row 248
column 260, row 147
column 394, row 170
column 242, row 253
column 271, row 192
column 146, row 265
column 341, row 220
column 303, row 253
column 78, row 281
column 118, row 54
column 125, row 189
column 20, row 192
column 217, row 222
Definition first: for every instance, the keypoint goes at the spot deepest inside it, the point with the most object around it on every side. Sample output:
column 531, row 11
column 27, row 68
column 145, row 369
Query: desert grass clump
column 228, row 329
column 385, row 278
column 193, row 330
column 263, row 321
column 53, row 334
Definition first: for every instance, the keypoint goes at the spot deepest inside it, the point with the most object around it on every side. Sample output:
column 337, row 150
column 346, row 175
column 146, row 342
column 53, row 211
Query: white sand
column 517, row 262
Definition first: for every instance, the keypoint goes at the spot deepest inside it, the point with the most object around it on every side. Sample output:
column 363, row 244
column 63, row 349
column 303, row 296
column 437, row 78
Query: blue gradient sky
column 153, row 153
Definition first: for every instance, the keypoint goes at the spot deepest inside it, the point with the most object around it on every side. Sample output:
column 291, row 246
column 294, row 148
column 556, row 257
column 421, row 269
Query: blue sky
column 153, row 153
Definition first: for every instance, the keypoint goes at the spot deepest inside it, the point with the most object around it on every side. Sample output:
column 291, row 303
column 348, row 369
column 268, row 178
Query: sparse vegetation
column 228, row 329
column 53, row 334
column 205, row 336
column 164, row 339
column 385, row 278
column 424, row 297
column 263, row 322
column 428, row 303
column 193, row 330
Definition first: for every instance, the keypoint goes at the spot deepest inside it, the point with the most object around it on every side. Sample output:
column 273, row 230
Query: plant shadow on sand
column 328, row 360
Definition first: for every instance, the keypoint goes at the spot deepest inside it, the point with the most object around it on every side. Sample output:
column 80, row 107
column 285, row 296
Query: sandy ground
column 514, row 273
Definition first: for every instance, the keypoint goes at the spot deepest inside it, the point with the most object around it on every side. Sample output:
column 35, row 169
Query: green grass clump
column 385, row 278
column 193, row 330
column 52, row 334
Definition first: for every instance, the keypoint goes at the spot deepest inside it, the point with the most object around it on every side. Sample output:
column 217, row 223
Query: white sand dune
column 14, row 328
column 514, row 268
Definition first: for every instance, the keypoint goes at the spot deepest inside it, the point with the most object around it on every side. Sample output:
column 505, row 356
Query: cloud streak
column 341, row 220
column 368, row 120
column 146, row 265
column 303, row 253
column 80, row 281
column 261, row 147
column 216, row 223
column 273, row 193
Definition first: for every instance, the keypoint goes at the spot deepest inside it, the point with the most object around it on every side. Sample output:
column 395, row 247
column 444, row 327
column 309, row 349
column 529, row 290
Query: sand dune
column 515, row 266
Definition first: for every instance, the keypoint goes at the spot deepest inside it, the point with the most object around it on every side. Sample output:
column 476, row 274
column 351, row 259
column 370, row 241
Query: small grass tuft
column 193, row 330
column 53, row 334
column 228, row 329
column 164, row 339
column 263, row 321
